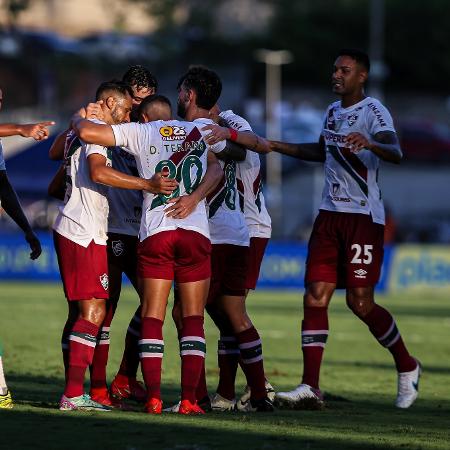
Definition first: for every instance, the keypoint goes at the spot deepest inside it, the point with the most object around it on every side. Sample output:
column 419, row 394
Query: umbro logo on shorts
column 360, row 273
column 118, row 247
column 104, row 281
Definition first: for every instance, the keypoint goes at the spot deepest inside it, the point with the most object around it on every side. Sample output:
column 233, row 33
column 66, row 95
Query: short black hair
column 155, row 98
column 206, row 84
column 358, row 55
column 140, row 77
column 116, row 86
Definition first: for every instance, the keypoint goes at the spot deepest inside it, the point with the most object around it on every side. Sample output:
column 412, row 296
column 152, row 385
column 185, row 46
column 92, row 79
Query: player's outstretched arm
column 247, row 139
column 183, row 206
column 91, row 132
column 100, row 173
column 384, row 144
column 56, row 152
column 38, row 131
column 307, row 152
column 11, row 205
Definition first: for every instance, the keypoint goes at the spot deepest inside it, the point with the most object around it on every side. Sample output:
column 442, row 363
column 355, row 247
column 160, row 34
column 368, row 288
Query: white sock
column 3, row 387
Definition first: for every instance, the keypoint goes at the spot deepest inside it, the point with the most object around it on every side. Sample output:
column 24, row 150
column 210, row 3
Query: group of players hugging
column 179, row 203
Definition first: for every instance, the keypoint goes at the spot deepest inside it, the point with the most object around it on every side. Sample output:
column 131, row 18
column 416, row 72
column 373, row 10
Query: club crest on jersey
column 172, row 133
column 351, row 119
column 104, row 280
column 118, row 247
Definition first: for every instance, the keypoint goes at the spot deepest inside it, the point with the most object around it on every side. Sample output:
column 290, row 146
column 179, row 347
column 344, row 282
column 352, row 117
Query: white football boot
column 242, row 403
column 219, row 403
column 302, row 396
column 408, row 387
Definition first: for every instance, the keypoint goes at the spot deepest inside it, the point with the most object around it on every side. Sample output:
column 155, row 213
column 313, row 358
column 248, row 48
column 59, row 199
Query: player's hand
column 37, row 131
column 34, row 243
column 356, row 142
column 182, row 206
column 160, row 184
column 95, row 111
column 217, row 134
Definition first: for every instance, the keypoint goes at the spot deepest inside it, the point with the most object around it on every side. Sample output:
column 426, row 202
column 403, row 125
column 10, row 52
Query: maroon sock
column 202, row 389
column 151, row 350
column 250, row 348
column 192, row 351
column 314, row 338
column 82, row 341
column 100, row 359
column 382, row 325
column 130, row 358
column 65, row 345
column 228, row 359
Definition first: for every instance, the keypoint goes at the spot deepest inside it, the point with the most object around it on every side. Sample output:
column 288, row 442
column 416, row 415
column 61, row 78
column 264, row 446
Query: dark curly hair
column 116, row 86
column 156, row 98
column 206, row 84
column 357, row 55
column 140, row 77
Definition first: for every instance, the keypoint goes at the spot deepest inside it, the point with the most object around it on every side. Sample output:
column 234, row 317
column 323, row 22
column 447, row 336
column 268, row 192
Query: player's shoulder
column 235, row 120
column 333, row 106
column 376, row 111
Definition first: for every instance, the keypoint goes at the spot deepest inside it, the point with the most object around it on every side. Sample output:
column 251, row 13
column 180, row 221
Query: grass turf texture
column 358, row 377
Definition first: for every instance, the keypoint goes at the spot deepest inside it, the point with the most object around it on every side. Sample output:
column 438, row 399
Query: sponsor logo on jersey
column 118, row 247
column 172, row 133
column 341, row 199
column 378, row 114
column 360, row 273
column 104, row 281
column 333, row 138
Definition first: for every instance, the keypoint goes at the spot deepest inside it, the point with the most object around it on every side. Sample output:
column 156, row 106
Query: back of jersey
column 178, row 149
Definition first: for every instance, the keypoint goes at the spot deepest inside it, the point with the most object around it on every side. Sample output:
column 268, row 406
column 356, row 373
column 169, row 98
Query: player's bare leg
column 314, row 337
column 383, row 327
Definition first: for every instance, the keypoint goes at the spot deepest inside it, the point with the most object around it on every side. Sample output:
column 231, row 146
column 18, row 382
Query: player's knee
column 360, row 302
column 95, row 313
column 315, row 296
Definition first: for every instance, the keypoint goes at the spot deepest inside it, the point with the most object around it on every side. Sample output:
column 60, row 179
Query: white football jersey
column 249, row 183
column 125, row 205
column 351, row 178
column 84, row 214
column 179, row 147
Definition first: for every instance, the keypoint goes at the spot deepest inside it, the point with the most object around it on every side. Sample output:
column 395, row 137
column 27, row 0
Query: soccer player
column 235, row 269
column 346, row 243
column 11, row 205
column 80, row 242
column 174, row 235
column 125, row 211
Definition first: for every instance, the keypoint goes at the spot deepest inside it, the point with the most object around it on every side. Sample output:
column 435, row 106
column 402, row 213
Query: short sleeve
column 378, row 118
column 235, row 121
column 129, row 136
column 92, row 149
column 2, row 159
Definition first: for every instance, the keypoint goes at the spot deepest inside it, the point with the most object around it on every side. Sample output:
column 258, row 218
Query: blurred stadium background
column 275, row 59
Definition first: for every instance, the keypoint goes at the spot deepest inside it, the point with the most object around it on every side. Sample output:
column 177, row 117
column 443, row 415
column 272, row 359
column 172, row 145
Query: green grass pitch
column 357, row 375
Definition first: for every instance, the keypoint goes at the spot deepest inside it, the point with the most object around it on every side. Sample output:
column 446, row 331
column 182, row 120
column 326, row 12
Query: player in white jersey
column 11, row 205
column 125, row 211
column 80, row 241
column 174, row 239
column 346, row 244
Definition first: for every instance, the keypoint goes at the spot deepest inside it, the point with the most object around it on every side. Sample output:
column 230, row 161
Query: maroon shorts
column 84, row 271
column 122, row 258
column 256, row 254
column 229, row 265
column 180, row 255
column 345, row 249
